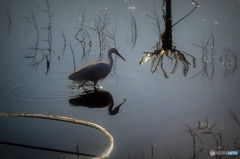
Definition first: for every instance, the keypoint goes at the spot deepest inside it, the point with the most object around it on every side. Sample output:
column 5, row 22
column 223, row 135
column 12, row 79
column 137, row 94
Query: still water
column 42, row 42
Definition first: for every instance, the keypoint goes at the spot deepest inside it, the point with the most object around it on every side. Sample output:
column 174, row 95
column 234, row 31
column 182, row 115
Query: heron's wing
column 93, row 72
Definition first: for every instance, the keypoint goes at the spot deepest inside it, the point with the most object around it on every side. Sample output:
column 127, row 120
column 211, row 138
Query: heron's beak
column 120, row 56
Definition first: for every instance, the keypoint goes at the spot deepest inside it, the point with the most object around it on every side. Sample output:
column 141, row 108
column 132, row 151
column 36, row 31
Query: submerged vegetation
column 83, row 37
column 205, row 137
column 99, row 34
column 105, row 32
column 230, row 62
column 9, row 17
column 133, row 31
column 43, row 48
column 207, row 59
column 36, row 53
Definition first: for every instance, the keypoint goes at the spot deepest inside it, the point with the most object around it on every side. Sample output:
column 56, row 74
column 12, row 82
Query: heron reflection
column 96, row 99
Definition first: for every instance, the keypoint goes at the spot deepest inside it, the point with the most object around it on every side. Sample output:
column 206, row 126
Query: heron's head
column 115, row 51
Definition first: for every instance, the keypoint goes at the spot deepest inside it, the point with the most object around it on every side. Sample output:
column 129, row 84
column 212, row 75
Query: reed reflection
column 230, row 61
column 9, row 17
column 208, row 59
column 96, row 99
column 37, row 53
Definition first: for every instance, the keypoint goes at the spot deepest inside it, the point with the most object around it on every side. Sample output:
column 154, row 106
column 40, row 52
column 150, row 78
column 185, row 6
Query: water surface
column 156, row 110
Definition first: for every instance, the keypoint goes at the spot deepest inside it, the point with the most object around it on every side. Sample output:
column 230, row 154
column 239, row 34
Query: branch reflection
column 230, row 62
column 36, row 53
column 207, row 59
column 96, row 99
column 165, row 45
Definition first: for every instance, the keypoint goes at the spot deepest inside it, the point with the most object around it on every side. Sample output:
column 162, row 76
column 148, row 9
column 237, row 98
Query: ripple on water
column 36, row 86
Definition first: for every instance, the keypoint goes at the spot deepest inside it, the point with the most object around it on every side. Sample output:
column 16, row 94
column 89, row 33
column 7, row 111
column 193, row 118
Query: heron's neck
column 110, row 59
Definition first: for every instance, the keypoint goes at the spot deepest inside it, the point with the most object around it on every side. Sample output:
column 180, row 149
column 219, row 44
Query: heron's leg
column 82, row 84
column 95, row 83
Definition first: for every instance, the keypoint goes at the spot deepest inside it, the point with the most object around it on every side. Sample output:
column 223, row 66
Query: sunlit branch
column 165, row 44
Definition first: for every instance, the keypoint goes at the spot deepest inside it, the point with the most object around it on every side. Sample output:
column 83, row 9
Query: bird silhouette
column 95, row 71
column 96, row 99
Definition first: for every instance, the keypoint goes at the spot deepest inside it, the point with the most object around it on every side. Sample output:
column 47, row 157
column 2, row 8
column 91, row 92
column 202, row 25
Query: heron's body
column 95, row 71
column 91, row 72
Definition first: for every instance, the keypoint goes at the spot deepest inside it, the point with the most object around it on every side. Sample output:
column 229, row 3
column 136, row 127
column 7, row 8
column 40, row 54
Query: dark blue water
column 156, row 110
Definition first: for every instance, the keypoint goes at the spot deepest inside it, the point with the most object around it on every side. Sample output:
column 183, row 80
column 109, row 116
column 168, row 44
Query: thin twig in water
column 152, row 151
column 233, row 116
column 32, row 20
column 74, row 63
column 48, row 27
column 173, row 156
column 212, row 46
column 141, row 154
column 83, row 37
column 77, row 151
column 35, row 50
column 45, row 53
column 230, row 62
column 207, row 59
column 100, row 26
column 48, row 56
column 112, row 36
column 112, row 41
column 194, row 137
column 65, row 43
column 208, row 130
column 164, row 13
column 9, row 17
column 133, row 31
column 187, row 14
column 157, row 25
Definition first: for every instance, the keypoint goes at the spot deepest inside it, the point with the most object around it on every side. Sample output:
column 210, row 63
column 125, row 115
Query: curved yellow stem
column 103, row 155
